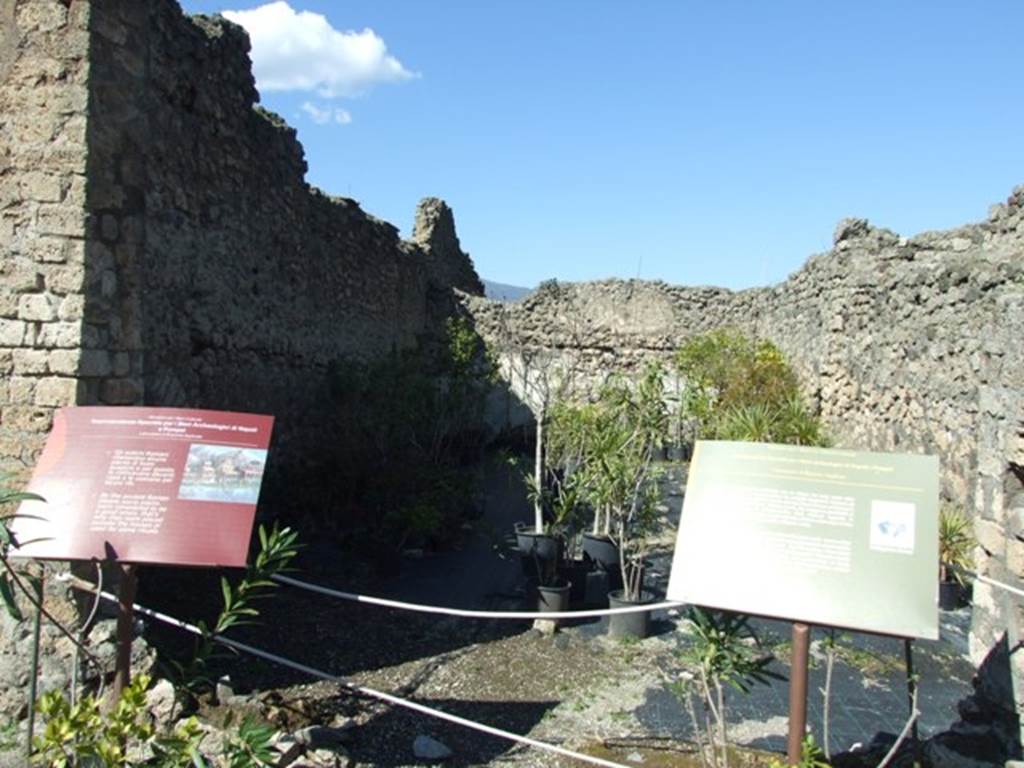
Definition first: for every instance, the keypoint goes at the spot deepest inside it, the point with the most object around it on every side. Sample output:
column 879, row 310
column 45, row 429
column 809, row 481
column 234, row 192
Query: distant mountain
column 502, row 292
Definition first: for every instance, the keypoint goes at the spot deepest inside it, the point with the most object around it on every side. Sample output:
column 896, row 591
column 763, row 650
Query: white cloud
column 300, row 51
column 324, row 115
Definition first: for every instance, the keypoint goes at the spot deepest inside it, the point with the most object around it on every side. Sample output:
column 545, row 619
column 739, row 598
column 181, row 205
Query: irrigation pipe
column 470, row 614
column 382, row 696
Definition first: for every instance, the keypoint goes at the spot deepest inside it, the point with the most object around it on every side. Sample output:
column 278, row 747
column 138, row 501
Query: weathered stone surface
column 37, row 307
column 30, row 361
column 427, row 748
column 56, row 392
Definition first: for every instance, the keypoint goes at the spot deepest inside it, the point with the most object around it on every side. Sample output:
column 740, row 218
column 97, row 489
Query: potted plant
column 956, row 545
column 629, row 431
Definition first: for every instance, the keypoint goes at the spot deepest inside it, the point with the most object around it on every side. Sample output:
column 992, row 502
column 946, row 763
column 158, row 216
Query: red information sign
column 146, row 485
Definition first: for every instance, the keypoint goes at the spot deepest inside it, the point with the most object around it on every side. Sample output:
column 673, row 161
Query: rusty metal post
column 908, row 656
column 125, row 632
column 799, row 664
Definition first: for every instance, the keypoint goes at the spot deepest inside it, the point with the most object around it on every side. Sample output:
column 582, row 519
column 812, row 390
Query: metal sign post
column 799, row 664
column 36, row 626
column 125, row 632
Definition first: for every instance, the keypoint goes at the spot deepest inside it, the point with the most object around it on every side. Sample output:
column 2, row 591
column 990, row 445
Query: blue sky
column 700, row 143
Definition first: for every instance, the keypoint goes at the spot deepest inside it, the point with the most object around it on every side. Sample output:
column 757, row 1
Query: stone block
column 120, row 391
column 22, row 277
column 1015, row 557
column 76, row 192
column 48, row 249
column 57, row 392
column 61, row 335
column 12, row 333
column 41, row 17
column 30, row 361
column 67, row 279
column 37, row 307
column 122, row 363
column 21, row 390
column 41, row 187
column 64, row 361
column 991, row 536
column 72, row 307
column 27, row 418
column 108, row 284
column 61, row 220
column 108, row 227
column 8, row 302
column 94, row 362
column 6, row 362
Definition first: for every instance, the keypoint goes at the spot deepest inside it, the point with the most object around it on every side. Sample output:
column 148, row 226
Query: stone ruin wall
column 905, row 344
column 196, row 267
column 161, row 247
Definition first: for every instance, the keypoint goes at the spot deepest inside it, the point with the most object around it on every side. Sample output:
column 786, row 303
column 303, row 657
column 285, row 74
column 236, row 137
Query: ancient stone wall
column 894, row 338
column 908, row 344
column 44, row 72
column 160, row 246
column 196, row 268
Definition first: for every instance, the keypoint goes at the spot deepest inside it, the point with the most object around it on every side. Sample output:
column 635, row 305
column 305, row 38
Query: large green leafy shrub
column 408, row 423
column 740, row 388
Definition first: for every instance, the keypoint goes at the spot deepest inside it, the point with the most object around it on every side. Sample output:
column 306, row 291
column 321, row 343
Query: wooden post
column 799, row 663
column 125, row 632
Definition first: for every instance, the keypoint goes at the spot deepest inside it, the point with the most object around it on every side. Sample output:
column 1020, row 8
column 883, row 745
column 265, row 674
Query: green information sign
column 817, row 535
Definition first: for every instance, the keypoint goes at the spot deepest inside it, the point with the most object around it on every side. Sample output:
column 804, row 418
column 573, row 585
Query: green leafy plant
column 719, row 655
column 739, row 388
column 278, row 548
column 811, row 756
column 411, row 420
column 250, row 746
column 956, row 544
column 11, row 581
column 604, row 452
column 81, row 734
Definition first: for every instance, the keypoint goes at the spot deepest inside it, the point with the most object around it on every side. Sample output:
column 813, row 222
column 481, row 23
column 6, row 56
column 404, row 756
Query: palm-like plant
column 956, row 544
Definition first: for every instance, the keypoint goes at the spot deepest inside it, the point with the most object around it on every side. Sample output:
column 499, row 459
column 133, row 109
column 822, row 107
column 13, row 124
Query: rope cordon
column 472, row 614
column 371, row 692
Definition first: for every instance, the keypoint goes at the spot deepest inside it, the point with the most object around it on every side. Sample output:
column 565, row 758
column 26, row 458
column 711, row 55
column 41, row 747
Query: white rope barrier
column 380, row 695
column 471, row 614
column 990, row 581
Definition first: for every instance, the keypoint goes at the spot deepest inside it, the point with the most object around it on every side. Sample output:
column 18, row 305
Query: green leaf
column 7, row 594
column 225, row 589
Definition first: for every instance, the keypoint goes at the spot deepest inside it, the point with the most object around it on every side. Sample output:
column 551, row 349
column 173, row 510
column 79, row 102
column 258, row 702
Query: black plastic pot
column 553, row 599
column 602, row 551
column 951, row 595
column 576, row 572
column 595, row 593
column 677, row 453
column 629, row 624
column 538, row 545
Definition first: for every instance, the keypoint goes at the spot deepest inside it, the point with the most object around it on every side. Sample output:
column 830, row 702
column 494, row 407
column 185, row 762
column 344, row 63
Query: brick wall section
column 44, row 73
